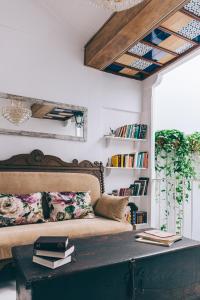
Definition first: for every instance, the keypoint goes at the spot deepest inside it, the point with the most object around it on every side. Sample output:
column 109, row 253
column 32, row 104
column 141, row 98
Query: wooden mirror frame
column 19, row 132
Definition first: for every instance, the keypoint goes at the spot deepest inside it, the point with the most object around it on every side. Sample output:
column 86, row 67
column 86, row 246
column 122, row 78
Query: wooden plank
column 110, row 42
column 40, row 110
column 108, row 31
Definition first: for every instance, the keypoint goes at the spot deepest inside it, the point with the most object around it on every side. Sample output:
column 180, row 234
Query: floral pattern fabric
column 20, row 209
column 70, row 205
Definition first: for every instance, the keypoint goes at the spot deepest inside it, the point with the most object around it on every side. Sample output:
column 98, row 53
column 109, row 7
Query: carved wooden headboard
column 36, row 161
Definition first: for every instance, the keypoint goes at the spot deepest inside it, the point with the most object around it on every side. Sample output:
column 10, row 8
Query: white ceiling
column 80, row 15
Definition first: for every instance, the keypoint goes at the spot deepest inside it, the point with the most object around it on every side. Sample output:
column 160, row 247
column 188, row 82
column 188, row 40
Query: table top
column 95, row 252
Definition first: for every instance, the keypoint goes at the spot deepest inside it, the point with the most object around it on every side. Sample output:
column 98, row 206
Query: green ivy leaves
column 172, row 153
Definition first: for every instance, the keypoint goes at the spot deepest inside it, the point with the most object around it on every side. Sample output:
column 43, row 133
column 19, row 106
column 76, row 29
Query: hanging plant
column 172, row 150
column 174, row 164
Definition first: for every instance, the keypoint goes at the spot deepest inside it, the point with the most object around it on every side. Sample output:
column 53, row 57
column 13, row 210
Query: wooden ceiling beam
column 126, row 28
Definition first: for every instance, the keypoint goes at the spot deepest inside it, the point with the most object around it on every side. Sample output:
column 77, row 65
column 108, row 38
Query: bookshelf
column 137, row 164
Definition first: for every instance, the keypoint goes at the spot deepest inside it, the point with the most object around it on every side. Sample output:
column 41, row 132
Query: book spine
column 50, row 246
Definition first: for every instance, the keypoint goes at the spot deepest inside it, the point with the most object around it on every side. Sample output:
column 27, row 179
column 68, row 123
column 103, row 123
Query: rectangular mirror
column 26, row 116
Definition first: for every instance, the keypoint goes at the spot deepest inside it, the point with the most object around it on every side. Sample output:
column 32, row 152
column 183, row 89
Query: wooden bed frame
column 36, row 161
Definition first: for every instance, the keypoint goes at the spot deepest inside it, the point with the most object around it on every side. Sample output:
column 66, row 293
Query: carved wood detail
column 37, row 161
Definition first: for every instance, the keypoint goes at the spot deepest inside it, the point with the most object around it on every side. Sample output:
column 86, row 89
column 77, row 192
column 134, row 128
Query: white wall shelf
column 110, row 137
column 136, row 197
column 109, row 169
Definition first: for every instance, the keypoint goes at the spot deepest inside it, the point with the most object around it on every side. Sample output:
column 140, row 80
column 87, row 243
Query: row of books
column 134, row 131
column 138, row 188
column 157, row 237
column 132, row 160
column 52, row 251
column 134, row 216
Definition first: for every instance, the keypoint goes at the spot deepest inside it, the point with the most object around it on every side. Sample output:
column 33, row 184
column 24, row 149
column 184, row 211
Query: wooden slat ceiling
column 145, row 39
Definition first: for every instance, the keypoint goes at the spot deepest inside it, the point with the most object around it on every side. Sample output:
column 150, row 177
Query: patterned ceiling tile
column 191, row 30
column 194, row 7
column 140, row 64
column 140, row 49
column 184, row 48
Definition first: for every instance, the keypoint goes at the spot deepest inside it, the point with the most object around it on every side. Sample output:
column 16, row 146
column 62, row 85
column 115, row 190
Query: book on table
column 141, row 240
column 59, row 254
column 51, row 243
column 51, row 262
column 52, row 252
column 158, row 236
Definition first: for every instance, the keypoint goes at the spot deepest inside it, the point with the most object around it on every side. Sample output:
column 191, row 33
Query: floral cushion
column 20, row 209
column 69, row 205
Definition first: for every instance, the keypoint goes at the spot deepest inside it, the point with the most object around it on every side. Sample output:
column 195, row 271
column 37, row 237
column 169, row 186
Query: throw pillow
column 69, row 205
column 112, row 207
column 20, row 209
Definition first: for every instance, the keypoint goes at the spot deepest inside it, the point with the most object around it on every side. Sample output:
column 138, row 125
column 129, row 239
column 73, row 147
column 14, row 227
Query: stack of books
column 138, row 188
column 134, row 131
column 132, row 160
column 52, row 251
column 158, row 237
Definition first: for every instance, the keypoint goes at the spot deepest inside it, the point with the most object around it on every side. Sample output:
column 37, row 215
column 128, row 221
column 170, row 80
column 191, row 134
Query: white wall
column 177, row 106
column 177, row 98
column 42, row 58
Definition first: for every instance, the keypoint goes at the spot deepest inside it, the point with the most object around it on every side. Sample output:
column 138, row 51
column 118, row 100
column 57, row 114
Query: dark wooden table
column 114, row 267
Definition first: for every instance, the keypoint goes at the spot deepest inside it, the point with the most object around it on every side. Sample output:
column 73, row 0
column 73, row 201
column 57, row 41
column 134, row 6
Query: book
column 51, row 243
column 141, row 187
column 136, row 131
column 165, row 240
column 160, row 233
column 115, row 161
column 141, row 240
column 132, row 160
column 146, row 179
column 51, row 262
column 56, row 254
